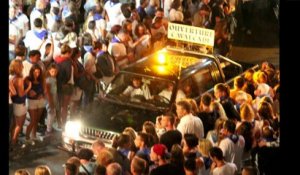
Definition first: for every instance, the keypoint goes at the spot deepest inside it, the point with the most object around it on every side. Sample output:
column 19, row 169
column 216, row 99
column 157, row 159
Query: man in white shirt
column 53, row 16
column 34, row 37
column 232, row 145
column 188, row 123
column 167, row 92
column 21, row 20
column 137, row 88
column 219, row 165
column 37, row 12
column 34, row 58
column 14, row 32
column 118, row 50
column 115, row 18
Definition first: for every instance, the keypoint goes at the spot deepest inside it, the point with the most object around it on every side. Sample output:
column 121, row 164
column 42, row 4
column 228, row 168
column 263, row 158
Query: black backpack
column 104, row 65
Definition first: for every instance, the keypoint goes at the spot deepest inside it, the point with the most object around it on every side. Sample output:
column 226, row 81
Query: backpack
column 105, row 65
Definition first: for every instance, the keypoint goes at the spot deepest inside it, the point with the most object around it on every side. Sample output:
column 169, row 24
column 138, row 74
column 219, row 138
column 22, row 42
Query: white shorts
column 35, row 104
column 19, row 109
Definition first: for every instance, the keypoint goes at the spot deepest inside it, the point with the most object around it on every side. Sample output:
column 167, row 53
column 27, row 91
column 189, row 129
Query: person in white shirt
column 34, row 38
column 188, row 122
column 96, row 15
column 232, row 145
column 118, row 50
column 167, row 92
column 115, row 18
column 14, row 31
column 22, row 20
column 137, row 88
column 219, row 166
column 37, row 12
column 93, row 31
column 34, row 58
column 52, row 17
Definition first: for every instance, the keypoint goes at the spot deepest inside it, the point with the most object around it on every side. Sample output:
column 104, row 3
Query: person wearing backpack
column 105, row 64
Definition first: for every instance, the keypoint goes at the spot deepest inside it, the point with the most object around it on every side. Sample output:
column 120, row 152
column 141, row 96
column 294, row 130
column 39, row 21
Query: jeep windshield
column 140, row 90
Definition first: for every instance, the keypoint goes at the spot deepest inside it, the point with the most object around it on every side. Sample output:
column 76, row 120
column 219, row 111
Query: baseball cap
column 160, row 149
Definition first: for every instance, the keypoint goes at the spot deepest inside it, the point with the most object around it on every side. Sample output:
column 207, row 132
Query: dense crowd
column 59, row 50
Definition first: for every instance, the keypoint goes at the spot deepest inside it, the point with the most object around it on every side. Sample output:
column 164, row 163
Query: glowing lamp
column 161, row 59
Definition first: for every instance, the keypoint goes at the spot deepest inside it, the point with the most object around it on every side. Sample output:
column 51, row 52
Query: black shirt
column 170, row 138
column 167, row 169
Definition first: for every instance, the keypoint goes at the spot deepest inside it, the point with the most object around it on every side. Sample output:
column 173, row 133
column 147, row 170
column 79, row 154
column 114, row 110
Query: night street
column 261, row 45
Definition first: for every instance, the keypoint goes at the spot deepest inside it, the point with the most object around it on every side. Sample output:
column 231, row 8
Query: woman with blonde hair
column 131, row 132
column 248, row 115
column 195, row 109
column 203, row 147
column 218, row 108
column 42, row 170
column 214, row 135
column 19, row 107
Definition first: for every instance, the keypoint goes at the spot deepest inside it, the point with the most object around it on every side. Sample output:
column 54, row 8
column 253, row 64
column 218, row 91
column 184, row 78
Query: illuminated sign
column 191, row 34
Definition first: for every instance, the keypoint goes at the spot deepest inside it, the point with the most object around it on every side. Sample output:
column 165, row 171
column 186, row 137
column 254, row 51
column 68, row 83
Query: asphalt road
column 44, row 152
column 262, row 44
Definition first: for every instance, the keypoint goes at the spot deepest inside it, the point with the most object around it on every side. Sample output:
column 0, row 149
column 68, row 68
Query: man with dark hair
column 85, row 155
column 70, row 169
column 106, row 63
column 222, row 93
column 206, row 114
column 90, row 68
column 190, row 143
column 37, row 12
column 190, row 167
column 34, row 58
column 118, row 50
column 232, row 145
column 34, row 38
column 188, row 122
column 219, row 166
column 91, row 29
column 141, row 9
column 171, row 136
column 20, row 52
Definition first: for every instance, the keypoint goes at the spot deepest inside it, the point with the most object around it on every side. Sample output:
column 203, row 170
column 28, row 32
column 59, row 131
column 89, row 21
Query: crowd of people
column 236, row 131
column 60, row 49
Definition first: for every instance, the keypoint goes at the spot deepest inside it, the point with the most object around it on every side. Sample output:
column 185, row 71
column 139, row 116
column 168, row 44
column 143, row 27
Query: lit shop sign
column 191, row 34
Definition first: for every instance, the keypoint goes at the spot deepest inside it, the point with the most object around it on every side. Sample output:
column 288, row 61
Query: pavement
column 255, row 55
column 263, row 43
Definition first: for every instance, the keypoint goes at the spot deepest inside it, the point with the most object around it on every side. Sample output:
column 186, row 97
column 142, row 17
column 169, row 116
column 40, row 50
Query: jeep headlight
column 72, row 129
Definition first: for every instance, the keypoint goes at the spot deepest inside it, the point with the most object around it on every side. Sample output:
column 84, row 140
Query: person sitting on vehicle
column 167, row 92
column 137, row 88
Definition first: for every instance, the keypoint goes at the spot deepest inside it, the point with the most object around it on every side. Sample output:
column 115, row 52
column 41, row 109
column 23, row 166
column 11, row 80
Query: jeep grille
column 92, row 133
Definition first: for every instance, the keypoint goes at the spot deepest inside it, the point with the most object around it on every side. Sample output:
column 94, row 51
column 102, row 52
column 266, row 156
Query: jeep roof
column 171, row 63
